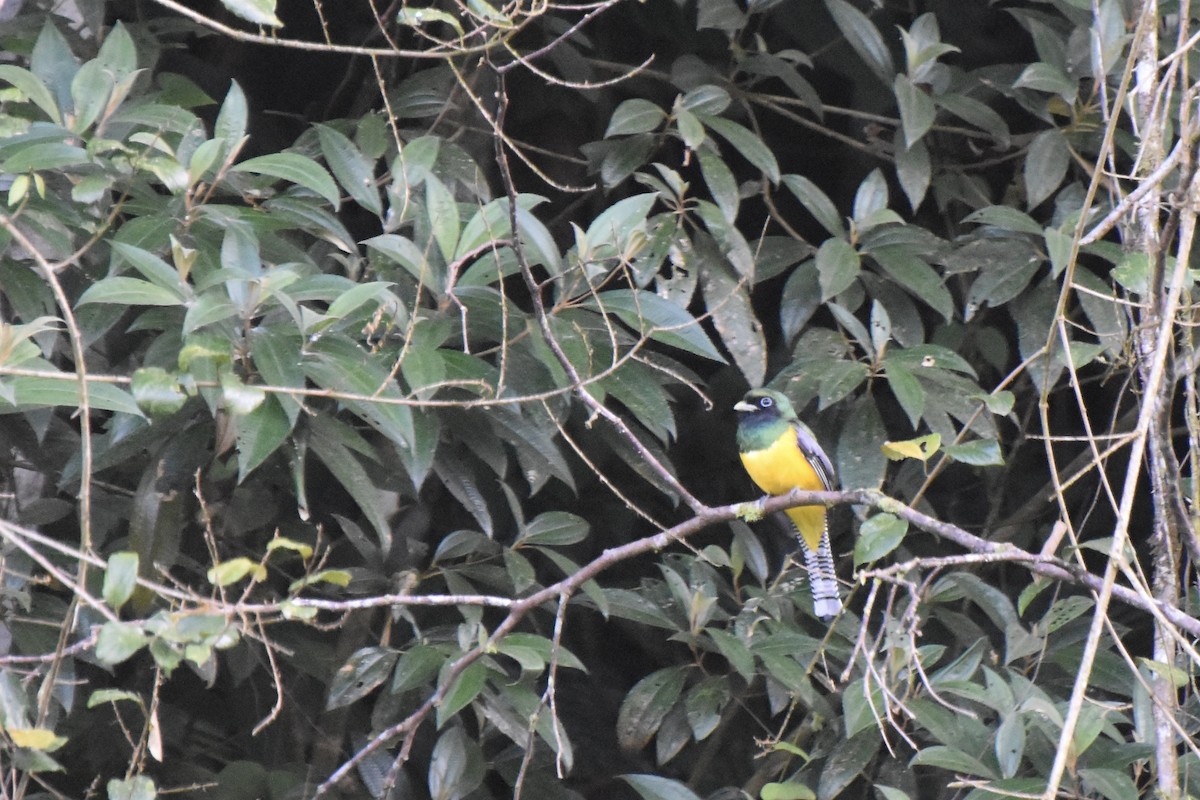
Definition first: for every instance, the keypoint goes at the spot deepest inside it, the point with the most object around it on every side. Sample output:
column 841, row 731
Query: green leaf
column 870, row 198
column 554, row 529
column 659, row 319
column 801, row 299
column 1006, row 218
column 735, row 652
column 907, row 389
column 817, row 203
column 153, row 268
column 1010, row 744
column 120, row 578
column 723, row 15
column 334, row 577
column 611, row 230
column 305, row 551
column 157, row 391
column 539, row 649
column 239, row 398
column 691, row 129
column 101, row 696
column 519, row 571
column 786, row 791
column 995, row 603
column 838, row 265
column 634, row 116
column 625, row 156
column 129, row 292
column 417, row 17
column 456, row 766
column 29, row 392
column 234, row 570
column 953, row 760
column 1113, row 784
column 864, row 37
column 1104, row 313
column 351, row 168
column 465, row 688
column 33, row 88
column 331, row 442
column 138, row 787
column 706, row 99
column 443, row 216
column 915, row 276
column 54, row 64
column 365, row 670
column 979, row 453
column 914, row 171
column 44, row 156
column 655, row 787
column 1048, row 78
column 230, row 127
column 371, row 292
column 1000, row 402
column 90, row 91
column 859, row 461
column 1045, row 166
column 878, row 536
column 341, row 365
column 405, row 253
column 917, row 110
column 782, row 66
column 721, row 183
column 975, row 113
column 860, row 711
column 416, row 667
column 704, row 704
column 646, row 705
column 260, row 433
column 118, row 641
column 728, row 301
column 293, row 167
column 745, row 142
column 258, row 12
column 276, row 353
column 847, row 760
column 999, row 285
column 117, row 53
column 638, row 389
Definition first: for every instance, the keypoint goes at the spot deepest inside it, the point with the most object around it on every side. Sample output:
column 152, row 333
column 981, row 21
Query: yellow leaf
column 920, row 448
column 36, row 739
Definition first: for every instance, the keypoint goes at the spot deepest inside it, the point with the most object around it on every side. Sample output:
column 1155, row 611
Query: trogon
column 781, row 453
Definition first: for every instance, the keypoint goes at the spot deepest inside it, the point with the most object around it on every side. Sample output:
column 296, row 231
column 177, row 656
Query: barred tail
column 823, row 579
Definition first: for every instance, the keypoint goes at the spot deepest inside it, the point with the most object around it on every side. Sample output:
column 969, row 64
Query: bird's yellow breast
column 782, row 467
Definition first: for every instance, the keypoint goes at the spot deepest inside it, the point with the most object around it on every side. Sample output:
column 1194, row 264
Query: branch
column 708, row 516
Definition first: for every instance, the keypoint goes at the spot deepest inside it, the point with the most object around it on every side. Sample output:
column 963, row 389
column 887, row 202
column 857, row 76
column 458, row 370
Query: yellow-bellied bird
column 781, row 453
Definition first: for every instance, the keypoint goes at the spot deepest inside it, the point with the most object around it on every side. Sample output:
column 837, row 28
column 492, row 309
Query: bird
column 781, row 453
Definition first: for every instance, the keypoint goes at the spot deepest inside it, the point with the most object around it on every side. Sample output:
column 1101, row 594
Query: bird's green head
column 763, row 415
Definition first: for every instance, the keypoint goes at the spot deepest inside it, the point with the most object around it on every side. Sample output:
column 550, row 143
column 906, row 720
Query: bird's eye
column 765, row 402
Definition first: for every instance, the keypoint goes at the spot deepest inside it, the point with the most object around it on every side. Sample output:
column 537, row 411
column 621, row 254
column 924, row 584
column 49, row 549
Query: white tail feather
column 823, row 579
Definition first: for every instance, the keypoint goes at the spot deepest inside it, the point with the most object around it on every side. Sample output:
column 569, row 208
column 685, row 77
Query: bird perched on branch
column 780, row 453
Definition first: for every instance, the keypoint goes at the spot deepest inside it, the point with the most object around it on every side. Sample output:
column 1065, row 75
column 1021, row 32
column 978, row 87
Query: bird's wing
column 815, row 455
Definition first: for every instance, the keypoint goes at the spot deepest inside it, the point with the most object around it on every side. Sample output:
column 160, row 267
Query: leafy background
column 366, row 372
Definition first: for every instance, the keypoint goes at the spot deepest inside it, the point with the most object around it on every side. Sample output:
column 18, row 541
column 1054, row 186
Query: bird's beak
column 744, row 406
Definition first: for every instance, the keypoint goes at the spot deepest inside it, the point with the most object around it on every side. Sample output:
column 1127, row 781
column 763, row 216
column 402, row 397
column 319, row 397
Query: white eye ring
column 765, row 402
